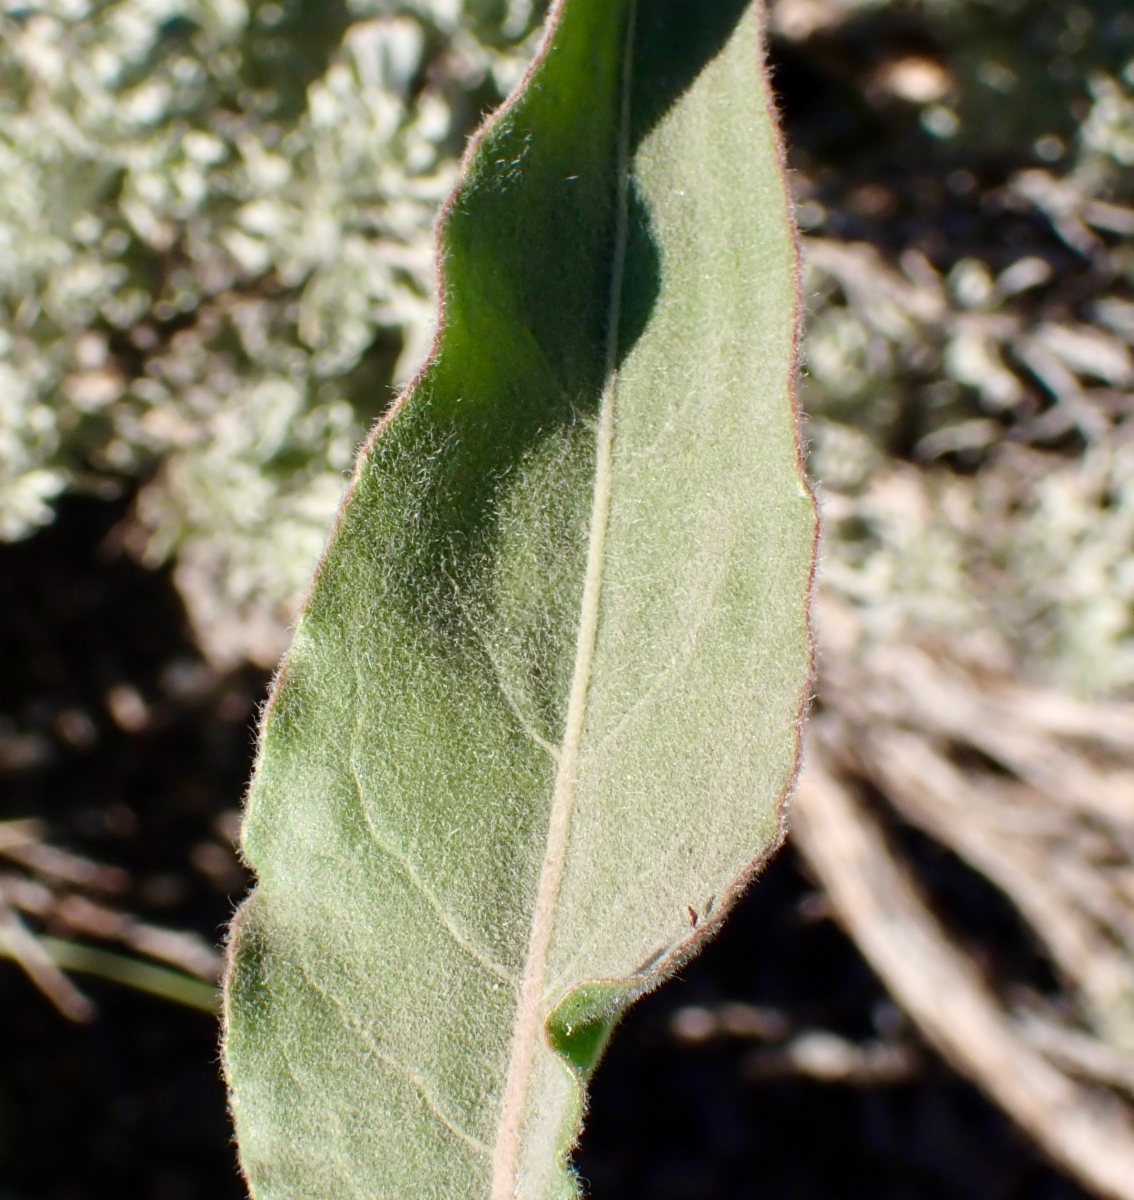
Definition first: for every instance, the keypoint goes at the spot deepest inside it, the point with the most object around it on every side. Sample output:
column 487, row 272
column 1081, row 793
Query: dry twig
column 940, row 989
column 1034, row 790
column 49, row 900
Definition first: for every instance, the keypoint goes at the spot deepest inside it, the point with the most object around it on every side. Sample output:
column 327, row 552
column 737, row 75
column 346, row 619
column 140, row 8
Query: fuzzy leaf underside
column 542, row 706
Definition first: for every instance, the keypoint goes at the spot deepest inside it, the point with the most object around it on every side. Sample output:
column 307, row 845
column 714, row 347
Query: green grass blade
column 132, row 973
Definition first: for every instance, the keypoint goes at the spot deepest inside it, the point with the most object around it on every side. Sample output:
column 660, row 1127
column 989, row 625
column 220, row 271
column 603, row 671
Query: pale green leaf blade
column 542, row 707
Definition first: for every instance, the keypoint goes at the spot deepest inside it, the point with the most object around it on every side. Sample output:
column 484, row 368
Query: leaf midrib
column 526, row 1028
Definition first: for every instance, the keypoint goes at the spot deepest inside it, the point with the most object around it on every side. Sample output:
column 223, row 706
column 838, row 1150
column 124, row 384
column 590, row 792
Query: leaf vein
column 647, row 878
column 432, row 1105
column 678, row 664
column 525, row 1033
column 526, row 726
column 408, row 869
column 340, row 1163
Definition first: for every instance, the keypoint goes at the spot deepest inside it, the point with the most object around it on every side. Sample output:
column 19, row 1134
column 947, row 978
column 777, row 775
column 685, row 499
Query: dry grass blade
column 45, row 958
column 14, row 834
column 984, row 829
column 60, row 866
column 1077, row 1051
column 940, row 989
column 825, row 1056
column 1034, row 790
column 188, row 951
column 1110, row 725
column 24, row 947
column 185, row 950
column 906, row 687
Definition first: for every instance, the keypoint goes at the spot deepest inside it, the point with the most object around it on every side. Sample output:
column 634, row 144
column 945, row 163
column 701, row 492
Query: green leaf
column 542, row 708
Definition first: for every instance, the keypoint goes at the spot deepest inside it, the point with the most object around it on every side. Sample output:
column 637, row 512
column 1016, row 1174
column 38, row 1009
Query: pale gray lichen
column 216, row 263
column 212, row 267
column 970, row 429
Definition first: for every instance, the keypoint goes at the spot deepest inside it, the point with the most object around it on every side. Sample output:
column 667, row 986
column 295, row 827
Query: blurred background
column 215, row 271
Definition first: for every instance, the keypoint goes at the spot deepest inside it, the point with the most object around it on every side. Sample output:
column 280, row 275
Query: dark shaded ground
column 671, row 1122
column 131, row 1106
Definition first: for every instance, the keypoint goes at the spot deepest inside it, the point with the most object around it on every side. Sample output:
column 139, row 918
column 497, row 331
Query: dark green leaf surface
column 542, row 707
